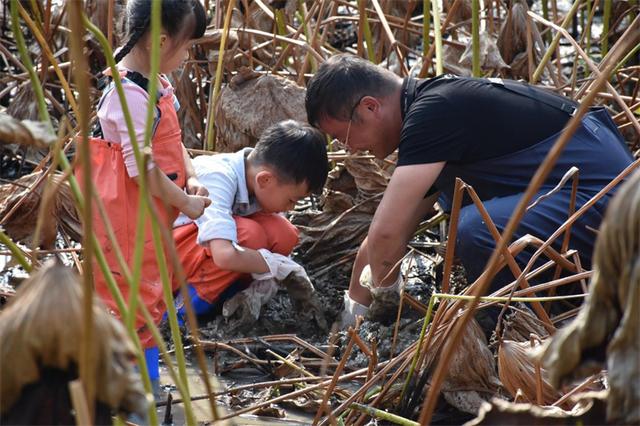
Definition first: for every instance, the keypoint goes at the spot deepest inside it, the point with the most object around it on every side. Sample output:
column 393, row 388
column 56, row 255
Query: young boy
column 219, row 250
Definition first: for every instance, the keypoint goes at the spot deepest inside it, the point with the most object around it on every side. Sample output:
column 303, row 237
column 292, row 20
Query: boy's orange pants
column 270, row 231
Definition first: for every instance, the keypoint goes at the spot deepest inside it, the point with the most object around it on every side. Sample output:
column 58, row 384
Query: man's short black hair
column 340, row 82
column 296, row 151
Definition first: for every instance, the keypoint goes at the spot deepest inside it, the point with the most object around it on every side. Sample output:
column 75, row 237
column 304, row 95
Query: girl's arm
column 194, row 186
column 162, row 187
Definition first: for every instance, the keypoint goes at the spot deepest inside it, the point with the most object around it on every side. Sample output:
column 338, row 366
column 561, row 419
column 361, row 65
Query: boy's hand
column 279, row 266
column 304, row 298
column 195, row 206
column 194, row 187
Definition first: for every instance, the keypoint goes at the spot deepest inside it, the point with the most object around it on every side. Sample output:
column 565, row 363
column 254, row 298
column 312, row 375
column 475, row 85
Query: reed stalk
column 47, row 52
column 129, row 314
column 545, row 14
column 475, row 38
column 15, row 251
column 81, row 71
column 43, row 112
column 366, row 29
column 426, row 28
column 554, row 44
column 437, row 32
column 215, row 89
column 606, row 22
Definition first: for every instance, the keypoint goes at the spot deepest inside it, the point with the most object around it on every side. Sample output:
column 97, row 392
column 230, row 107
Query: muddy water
column 202, row 409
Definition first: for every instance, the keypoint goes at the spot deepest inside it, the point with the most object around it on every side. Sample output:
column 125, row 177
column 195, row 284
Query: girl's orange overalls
column 120, row 196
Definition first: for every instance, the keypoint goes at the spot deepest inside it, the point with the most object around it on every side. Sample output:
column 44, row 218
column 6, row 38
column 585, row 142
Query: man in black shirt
column 493, row 134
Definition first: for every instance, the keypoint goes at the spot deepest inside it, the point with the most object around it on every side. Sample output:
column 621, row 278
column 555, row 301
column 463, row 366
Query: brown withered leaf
column 26, row 132
column 247, row 106
column 589, row 410
column 23, row 105
column 471, row 376
column 517, row 372
column 210, row 43
column 22, row 223
column 37, row 334
column 490, row 58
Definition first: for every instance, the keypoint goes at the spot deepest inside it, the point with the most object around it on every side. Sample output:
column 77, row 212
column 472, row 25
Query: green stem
column 626, row 58
column 302, row 17
column 26, row 60
column 475, row 34
column 280, row 24
column 15, row 251
column 414, row 361
column 606, row 18
column 128, row 315
column 133, row 282
column 554, row 44
column 211, row 128
column 545, row 15
column 438, row 37
column 368, row 38
column 173, row 321
column 426, row 28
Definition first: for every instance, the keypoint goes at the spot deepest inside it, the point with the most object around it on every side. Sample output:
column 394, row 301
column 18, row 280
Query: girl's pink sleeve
column 114, row 126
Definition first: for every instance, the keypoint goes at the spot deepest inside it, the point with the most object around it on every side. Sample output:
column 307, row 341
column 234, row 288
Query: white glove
column 279, row 267
column 250, row 300
column 352, row 309
column 385, row 300
column 366, row 280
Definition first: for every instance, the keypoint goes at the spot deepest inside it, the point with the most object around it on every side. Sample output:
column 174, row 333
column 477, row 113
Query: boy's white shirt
column 224, row 177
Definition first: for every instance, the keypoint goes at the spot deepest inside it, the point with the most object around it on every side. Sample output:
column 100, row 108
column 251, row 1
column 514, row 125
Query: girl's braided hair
column 174, row 14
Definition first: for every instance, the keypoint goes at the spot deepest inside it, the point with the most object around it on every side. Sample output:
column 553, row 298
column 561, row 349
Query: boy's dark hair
column 296, row 151
column 340, row 82
column 174, row 18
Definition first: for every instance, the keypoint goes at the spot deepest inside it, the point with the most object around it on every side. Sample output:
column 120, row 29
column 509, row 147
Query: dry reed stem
column 593, row 68
column 585, row 383
column 277, row 338
column 294, row 394
column 260, row 385
column 629, row 38
column 510, row 259
column 577, row 214
column 82, row 114
column 343, row 361
column 387, row 366
column 391, row 37
column 49, row 55
column 453, row 232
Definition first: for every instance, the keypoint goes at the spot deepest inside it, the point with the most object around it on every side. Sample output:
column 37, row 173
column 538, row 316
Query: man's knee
column 474, row 244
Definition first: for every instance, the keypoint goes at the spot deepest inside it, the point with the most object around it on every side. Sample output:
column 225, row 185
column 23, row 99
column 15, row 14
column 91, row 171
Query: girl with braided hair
column 171, row 179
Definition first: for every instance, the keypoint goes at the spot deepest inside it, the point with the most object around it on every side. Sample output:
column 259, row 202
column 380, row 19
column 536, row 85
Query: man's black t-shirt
column 463, row 120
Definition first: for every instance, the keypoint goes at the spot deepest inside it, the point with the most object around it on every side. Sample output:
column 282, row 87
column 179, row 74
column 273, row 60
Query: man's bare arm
column 402, row 207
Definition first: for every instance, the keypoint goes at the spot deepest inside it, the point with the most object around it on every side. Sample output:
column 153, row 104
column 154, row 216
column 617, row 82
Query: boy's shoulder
column 230, row 165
